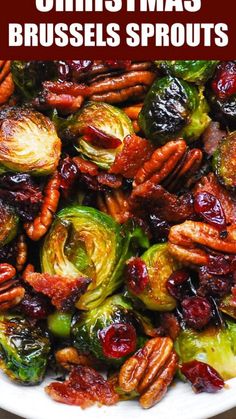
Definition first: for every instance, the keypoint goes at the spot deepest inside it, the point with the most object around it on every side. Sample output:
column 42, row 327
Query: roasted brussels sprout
column 28, row 142
column 196, row 71
column 98, row 130
column 86, row 242
column 224, row 161
column 214, row 346
column 8, row 224
column 24, row 350
column 173, row 108
column 228, row 306
column 221, row 94
column 29, row 75
column 110, row 332
column 59, row 324
column 149, row 285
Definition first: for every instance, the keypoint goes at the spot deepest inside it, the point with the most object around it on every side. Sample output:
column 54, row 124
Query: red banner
column 101, row 29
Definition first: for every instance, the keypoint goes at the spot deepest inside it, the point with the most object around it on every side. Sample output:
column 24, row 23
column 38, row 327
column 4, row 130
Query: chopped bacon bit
column 211, row 185
column 107, row 179
column 83, row 388
column 63, row 291
column 135, row 152
column 99, row 138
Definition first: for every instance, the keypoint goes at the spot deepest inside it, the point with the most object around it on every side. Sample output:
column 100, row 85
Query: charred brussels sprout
column 228, row 306
column 99, row 130
column 28, row 142
column 224, row 161
column 109, row 332
column 173, row 108
column 29, row 75
column 196, row 71
column 214, row 346
column 8, row 224
column 147, row 276
column 24, row 350
column 86, row 242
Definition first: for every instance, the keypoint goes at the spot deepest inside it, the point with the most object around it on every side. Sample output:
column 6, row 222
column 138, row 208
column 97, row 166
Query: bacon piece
column 211, row 185
column 136, row 151
column 86, row 166
column 212, row 136
column 83, row 388
column 63, row 291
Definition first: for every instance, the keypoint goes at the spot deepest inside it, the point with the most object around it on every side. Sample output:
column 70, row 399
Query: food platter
column 33, row 403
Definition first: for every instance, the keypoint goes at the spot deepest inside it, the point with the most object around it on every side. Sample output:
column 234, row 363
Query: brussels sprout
column 8, row 224
column 173, row 108
column 224, row 161
column 29, row 75
column 228, row 306
column 24, row 350
column 99, row 130
column 214, row 346
column 28, row 142
column 86, row 242
column 59, row 324
column 109, row 332
column 196, row 71
column 160, row 265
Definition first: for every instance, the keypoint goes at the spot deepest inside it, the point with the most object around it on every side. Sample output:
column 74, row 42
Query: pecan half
column 39, row 227
column 186, row 240
column 115, row 203
column 150, row 371
column 69, row 357
column 6, row 81
column 11, row 292
column 22, row 253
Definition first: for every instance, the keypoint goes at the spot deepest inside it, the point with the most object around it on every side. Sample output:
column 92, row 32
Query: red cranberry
column 35, row 306
column 79, row 66
column 68, row 174
column 99, row 138
column 224, row 83
column 210, row 208
column 118, row 63
column 218, row 265
column 215, row 287
column 176, row 284
column 202, row 376
column 137, row 275
column 159, row 227
column 197, row 312
column 118, row 340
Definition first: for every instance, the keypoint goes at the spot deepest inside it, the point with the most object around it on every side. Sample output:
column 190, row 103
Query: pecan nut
column 11, row 292
column 6, row 81
column 150, row 371
column 115, row 203
column 69, row 357
column 22, row 253
column 185, row 241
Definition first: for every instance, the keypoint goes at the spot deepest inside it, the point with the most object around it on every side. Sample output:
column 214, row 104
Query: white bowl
column 180, row 403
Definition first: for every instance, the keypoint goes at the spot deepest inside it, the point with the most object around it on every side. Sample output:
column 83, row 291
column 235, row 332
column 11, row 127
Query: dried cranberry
column 137, row 275
column 177, row 284
column 203, row 377
column 118, row 63
column 210, row 208
column 35, row 306
column 224, row 83
column 22, row 192
column 197, row 311
column 159, row 227
column 63, row 70
column 218, row 265
column 99, row 138
column 68, row 174
column 79, row 66
column 118, row 340
column 215, row 287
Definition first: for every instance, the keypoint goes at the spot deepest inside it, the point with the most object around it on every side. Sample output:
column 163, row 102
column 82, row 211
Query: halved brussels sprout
column 159, row 265
column 224, row 161
column 29, row 75
column 99, row 130
column 214, row 346
column 9, row 222
column 196, row 71
column 59, row 324
column 86, row 242
column 24, row 350
column 173, row 108
column 28, row 142
column 110, row 332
